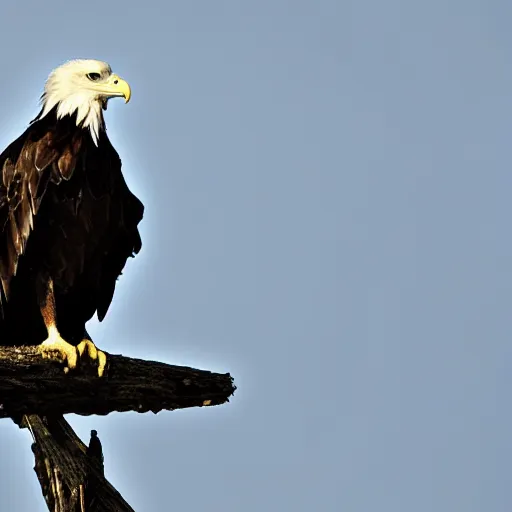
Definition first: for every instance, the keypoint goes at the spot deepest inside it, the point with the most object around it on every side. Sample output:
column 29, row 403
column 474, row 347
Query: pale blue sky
column 327, row 188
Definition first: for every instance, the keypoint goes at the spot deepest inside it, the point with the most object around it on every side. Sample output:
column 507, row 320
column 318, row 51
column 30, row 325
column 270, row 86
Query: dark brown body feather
column 66, row 213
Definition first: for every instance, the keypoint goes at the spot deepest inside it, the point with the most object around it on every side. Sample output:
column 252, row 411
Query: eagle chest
column 72, row 233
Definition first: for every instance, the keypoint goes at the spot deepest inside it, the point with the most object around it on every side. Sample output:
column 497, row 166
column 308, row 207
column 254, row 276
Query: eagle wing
column 27, row 166
column 106, row 224
column 123, row 211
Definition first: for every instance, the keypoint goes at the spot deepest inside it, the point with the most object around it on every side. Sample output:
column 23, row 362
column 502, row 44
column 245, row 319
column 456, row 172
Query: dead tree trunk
column 70, row 481
column 36, row 393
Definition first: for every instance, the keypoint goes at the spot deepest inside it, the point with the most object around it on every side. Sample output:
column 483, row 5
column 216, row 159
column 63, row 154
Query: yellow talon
column 54, row 344
column 93, row 353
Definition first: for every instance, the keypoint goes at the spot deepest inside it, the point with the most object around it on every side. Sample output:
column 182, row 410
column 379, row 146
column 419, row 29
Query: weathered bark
column 31, row 385
column 35, row 393
column 70, row 480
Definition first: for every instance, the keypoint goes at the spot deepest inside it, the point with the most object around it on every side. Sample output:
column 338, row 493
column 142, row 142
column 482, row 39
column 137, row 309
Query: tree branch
column 32, row 385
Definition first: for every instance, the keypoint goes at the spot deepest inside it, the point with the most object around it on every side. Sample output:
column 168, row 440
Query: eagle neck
column 93, row 122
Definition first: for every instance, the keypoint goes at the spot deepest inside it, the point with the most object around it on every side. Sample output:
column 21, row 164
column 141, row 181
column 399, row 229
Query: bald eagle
column 68, row 221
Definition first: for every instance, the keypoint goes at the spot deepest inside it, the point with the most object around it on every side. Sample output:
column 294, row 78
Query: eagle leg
column 55, row 343
column 94, row 353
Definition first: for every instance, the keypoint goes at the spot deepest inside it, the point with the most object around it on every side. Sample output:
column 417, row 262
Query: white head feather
column 82, row 86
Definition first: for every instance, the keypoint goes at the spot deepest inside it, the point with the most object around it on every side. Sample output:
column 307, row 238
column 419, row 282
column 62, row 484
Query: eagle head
column 83, row 87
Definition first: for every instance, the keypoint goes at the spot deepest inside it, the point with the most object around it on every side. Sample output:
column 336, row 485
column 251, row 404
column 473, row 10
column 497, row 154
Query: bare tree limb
column 70, row 480
column 32, row 385
column 37, row 392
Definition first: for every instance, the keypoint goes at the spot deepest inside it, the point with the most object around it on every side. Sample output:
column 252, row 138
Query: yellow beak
column 116, row 86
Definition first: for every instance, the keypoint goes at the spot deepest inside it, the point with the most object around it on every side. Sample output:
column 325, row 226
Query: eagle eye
column 94, row 77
